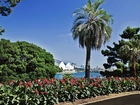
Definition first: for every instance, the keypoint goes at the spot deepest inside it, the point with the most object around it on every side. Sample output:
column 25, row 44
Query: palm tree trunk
column 134, row 67
column 87, row 67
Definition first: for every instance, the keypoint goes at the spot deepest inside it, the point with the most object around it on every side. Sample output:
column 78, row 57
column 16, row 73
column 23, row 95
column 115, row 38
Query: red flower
column 46, row 81
column 46, row 92
column 40, row 83
column 92, row 79
column 20, row 83
column 28, row 84
column 94, row 84
column 127, row 78
column 82, row 86
column 36, row 91
column 79, row 83
column 73, row 81
column 52, row 80
column 66, row 79
column 61, row 81
column 42, row 93
column 99, row 86
column 134, row 78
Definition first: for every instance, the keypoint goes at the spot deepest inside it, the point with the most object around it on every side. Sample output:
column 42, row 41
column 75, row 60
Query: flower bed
column 49, row 92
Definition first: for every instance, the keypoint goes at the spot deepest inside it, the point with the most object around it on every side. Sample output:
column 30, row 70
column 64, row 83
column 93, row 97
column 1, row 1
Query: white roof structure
column 63, row 66
column 69, row 66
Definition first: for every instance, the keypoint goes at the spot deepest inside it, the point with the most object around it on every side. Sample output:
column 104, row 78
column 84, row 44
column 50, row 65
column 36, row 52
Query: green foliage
column 117, row 72
column 69, row 76
column 52, row 91
column 119, row 65
column 1, row 30
column 130, row 33
column 92, row 27
column 6, row 6
column 23, row 60
column 58, row 69
column 121, row 53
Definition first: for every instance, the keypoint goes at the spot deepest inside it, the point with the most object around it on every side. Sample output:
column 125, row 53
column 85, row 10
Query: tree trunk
column 87, row 67
column 134, row 67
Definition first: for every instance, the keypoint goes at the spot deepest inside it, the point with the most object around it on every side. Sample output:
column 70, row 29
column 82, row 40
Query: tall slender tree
column 92, row 26
column 132, row 50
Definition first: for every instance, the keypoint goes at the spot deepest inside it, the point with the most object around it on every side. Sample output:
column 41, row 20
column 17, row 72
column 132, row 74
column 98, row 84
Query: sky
column 48, row 23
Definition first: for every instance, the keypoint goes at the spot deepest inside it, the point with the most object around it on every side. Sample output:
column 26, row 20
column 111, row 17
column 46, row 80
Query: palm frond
column 92, row 24
column 78, row 12
column 96, row 4
column 89, row 4
column 78, row 26
column 79, row 18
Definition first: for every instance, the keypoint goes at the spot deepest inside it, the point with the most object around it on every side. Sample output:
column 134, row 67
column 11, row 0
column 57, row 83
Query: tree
column 25, row 61
column 92, row 28
column 6, row 6
column 1, row 30
column 132, row 50
column 120, row 54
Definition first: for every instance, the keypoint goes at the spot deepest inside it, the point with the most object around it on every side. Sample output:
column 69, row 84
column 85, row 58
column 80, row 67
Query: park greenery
column 1, row 30
column 92, row 28
column 27, row 71
column 24, row 61
column 6, row 6
column 52, row 91
column 124, row 55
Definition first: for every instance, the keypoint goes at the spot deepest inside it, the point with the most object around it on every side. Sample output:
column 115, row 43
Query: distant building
column 69, row 66
column 62, row 66
column 65, row 66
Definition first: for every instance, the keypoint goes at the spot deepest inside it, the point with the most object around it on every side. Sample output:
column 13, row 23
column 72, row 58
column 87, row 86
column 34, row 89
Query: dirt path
column 125, row 98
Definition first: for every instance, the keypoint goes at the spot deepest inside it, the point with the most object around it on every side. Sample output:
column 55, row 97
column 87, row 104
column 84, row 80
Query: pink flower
column 20, row 83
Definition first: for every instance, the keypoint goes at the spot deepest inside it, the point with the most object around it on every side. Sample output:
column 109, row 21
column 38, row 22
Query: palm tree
column 131, row 50
column 92, row 28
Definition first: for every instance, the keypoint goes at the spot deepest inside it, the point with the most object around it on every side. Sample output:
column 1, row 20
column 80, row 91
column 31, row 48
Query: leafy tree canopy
column 23, row 60
column 131, row 39
column 1, row 30
column 6, row 6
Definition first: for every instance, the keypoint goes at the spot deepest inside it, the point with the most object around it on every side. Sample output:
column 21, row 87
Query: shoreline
column 73, row 71
column 67, row 72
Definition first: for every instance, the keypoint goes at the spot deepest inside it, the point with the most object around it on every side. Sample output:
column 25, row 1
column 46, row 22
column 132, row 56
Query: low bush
column 25, row 61
column 49, row 92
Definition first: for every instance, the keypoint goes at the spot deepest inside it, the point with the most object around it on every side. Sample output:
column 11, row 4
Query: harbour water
column 79, row 75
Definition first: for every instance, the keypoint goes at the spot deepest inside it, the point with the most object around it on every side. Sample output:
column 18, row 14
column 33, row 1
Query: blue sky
column 47, row 23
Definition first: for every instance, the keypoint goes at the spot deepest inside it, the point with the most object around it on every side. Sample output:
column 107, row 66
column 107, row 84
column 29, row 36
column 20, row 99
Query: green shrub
column 69, row 76
column 24, row 61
